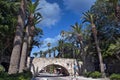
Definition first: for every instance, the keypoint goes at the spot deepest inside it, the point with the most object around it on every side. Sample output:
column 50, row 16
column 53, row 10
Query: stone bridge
column 41, row 63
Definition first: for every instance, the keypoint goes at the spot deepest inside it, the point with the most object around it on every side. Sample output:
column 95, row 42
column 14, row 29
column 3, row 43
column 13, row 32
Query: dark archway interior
column 56, row 69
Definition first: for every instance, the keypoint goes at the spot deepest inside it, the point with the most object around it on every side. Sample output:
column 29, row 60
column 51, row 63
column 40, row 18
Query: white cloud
column 78, row 6
column 50, row 12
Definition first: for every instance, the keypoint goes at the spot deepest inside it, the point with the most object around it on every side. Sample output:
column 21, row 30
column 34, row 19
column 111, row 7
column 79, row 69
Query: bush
column 3, row 75
column 115, row 77
column 26, row 75
column 2, row 69
column 95, row 74
column 87, row 74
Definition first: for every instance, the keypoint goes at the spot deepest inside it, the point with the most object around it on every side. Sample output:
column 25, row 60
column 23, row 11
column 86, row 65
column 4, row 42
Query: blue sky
column 59, row 15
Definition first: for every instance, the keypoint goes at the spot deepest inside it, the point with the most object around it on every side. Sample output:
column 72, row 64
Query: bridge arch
column 40, row 63
column 58, row 67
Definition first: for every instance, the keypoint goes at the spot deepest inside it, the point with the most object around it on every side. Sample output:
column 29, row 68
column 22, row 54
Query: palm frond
column 37, row 18
column 88, row 17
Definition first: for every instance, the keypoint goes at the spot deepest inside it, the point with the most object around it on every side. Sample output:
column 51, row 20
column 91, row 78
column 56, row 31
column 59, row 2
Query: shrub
column 87, row 74
column 3, row 74
column 95, row 74
column 2, row 69
column 115, row 77
column 26, row 75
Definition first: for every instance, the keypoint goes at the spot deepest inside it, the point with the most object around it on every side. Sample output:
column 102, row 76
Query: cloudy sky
column 59, row 15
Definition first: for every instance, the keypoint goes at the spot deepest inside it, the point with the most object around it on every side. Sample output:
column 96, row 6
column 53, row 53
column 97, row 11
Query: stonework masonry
column 40, row 63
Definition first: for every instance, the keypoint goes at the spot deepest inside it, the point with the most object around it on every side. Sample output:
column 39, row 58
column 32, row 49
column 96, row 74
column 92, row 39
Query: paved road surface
column 66, row 78
column 47, row 76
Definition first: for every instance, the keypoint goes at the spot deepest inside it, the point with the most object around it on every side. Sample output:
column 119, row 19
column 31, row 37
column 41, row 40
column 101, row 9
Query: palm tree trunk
column 24, row 52
column 83, row 57
column 30, row 32
column 29, row 44
column 15, row 56
column 98, row 50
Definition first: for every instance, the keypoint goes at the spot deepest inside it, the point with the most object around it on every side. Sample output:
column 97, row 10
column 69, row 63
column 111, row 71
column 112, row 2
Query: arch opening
column 55, row 69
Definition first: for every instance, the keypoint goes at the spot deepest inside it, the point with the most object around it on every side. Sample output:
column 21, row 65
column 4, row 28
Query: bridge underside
column 56, row 69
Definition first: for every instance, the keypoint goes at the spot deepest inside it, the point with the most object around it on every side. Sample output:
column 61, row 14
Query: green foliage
column 115, row 77
column 87, row 74
column 95, row 74
column 113, row 49
column 32, row 6
column 88, row 17
column 8, row 14
column 2, row 69
column 26, row 75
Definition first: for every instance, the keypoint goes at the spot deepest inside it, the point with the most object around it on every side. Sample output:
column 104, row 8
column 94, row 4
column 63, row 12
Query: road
column 47, row 76
column 67, row 78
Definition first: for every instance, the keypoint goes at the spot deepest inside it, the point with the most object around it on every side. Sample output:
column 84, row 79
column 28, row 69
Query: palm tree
column 32, row 19
column 60, row 48
column 15, row 56
column 89, row 17
column 49, row 44
column 77, row 33
column 24, row 51
column 62, row 40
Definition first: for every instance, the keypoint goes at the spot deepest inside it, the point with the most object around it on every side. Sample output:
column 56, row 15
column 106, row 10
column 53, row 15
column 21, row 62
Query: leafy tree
column 113, row 50
column 116, row 7
column 107, row 23
column 8, row 20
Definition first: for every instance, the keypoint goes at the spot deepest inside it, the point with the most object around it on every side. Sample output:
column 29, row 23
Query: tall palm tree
column 60, row 48
column 32, row 19
column 62, row 40
column 77, row 32
column 15, row 56
column 49, row 44
column 89, row 17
